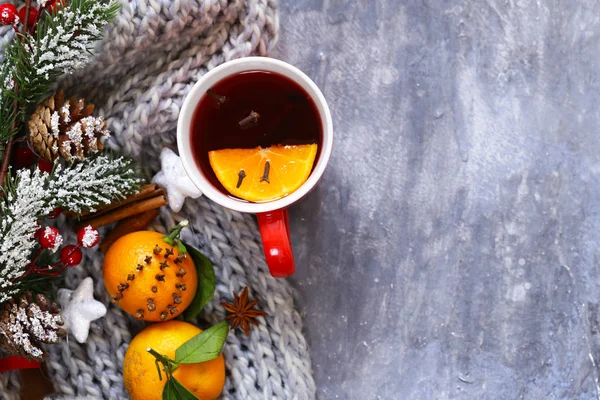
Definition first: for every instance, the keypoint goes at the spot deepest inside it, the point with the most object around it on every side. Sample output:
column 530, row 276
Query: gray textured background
column 451, row 251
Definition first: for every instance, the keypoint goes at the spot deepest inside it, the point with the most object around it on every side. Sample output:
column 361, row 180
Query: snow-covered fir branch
column 7, row 114
column 97, row 180
column 62, row 43
column 21, row 209
column 32, row 195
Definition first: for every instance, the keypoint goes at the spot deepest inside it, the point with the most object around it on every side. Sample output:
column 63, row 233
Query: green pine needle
column 62, row 43
column 30, row 196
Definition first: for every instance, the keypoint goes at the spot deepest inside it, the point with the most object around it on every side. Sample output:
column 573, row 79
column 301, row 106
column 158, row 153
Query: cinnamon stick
column 124, row 212
column 128, row 225
column 145, row 192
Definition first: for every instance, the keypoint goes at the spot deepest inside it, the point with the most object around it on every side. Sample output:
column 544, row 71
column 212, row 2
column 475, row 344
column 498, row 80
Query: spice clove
column 250, row 121
column 172, row 309
column 241, row 176
column 176, row 298
column 219, row 99
column 265, row 177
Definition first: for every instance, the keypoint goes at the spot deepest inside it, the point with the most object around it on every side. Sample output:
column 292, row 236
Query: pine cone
column 25, row 325
column 66, row 129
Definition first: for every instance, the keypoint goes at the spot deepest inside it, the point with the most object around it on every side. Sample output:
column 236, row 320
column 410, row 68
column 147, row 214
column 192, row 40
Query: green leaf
column 176, row 391
column 203, row 347
column 207, row 283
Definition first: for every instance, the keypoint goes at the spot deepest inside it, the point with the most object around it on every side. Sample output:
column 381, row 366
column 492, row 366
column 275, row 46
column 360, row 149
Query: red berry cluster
column 50, row 239
column 10, row 15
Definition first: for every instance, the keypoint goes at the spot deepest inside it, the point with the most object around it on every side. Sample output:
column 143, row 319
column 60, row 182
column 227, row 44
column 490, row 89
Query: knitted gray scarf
column 151, row 55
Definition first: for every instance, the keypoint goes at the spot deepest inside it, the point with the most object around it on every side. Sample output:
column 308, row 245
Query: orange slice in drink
column 263, row 174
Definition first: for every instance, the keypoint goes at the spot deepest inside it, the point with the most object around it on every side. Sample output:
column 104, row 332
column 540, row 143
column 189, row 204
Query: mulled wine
column 251, row 109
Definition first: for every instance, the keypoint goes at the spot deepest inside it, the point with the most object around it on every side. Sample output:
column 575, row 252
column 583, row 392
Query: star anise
column 241, row 311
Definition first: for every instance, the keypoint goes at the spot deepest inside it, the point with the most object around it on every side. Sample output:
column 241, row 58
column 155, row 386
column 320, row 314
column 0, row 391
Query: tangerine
column 205, row 379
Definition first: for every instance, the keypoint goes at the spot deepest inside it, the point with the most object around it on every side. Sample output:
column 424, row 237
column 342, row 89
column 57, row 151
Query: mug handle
column 274, row 229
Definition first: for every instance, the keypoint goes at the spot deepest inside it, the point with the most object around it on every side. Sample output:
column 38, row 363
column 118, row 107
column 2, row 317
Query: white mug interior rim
column 208, row 81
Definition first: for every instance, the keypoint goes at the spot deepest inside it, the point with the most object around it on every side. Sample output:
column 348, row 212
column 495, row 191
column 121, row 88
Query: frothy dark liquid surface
column 287, row 115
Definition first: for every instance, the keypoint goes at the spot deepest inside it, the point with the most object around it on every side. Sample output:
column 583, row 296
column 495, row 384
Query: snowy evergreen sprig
column 62, row 43
column 95, row 181
column 31, row 196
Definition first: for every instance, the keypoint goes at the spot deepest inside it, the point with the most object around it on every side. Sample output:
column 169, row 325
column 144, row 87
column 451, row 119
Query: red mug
column 272, row 216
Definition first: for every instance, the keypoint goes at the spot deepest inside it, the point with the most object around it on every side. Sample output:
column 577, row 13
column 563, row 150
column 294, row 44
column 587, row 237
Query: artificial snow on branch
column 95, row 181
column 32, row 195
column 61, row 43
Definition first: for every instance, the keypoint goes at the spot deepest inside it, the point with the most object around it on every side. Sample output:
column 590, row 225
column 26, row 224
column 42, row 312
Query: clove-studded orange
column 148, row 278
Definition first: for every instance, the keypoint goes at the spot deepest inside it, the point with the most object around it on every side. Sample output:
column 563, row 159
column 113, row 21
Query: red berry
column 70, row 255
column 33, row 16
column 8, row 14
column 50, row 238
column 45, row 166
column 53, row 5
column 88, row 237
column 55, row 213
column 23, row 157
